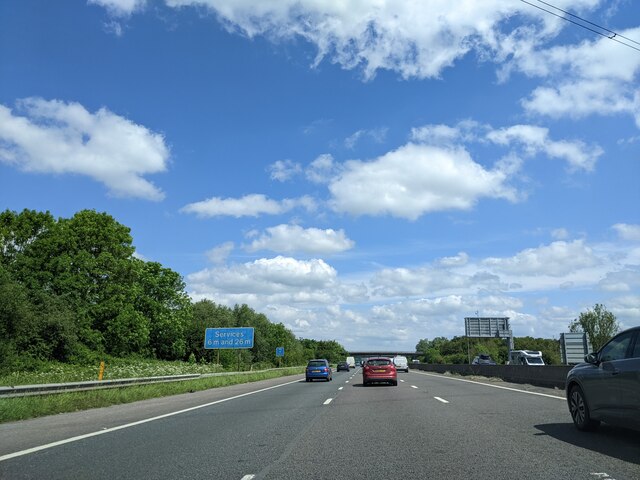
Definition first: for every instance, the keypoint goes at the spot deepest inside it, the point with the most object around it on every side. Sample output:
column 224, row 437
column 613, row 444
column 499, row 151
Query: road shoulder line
column 489, row 385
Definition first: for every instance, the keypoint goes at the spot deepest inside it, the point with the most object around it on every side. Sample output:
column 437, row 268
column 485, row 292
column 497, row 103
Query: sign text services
column 241, row 337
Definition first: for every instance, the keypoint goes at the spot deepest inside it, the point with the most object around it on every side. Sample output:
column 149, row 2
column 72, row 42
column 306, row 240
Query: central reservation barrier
column 553, row 376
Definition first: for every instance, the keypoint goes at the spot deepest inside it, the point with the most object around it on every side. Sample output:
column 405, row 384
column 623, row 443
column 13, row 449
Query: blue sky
column 370, row 172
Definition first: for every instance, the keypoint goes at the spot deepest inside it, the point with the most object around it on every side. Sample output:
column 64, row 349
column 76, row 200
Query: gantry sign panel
column 487, row 327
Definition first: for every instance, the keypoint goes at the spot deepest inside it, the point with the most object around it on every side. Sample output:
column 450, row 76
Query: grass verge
column 22, row 408
column 57, row 372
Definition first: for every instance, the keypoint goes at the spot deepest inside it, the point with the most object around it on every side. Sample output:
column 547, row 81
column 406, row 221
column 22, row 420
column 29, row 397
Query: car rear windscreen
column 317, row 363
column 379, row 362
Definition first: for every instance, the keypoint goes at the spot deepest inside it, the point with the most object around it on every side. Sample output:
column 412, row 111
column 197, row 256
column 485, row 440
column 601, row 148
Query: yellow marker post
column 101, row 370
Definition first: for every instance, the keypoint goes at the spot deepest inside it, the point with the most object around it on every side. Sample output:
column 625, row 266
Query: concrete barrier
column 553, row 376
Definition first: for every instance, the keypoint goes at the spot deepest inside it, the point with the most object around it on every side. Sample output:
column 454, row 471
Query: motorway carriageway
column 429, row 426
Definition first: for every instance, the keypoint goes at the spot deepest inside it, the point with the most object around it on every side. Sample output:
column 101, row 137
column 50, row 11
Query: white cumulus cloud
column 412, row 37
column 273, row 280
column 220, row 253
column 594, row 77
column 284, row 170
column 628, row 232
column 414, row 180
column 322, row 169
column 556, row 259
column 295, row 239
column 52, row 136
column 120, row 7
column 536, row 139
column 248, row 206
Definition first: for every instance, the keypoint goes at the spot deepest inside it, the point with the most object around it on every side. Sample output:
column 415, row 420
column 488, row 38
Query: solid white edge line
column 133, row 424
column 441, row 399
column 489, row 385
column 327, row 401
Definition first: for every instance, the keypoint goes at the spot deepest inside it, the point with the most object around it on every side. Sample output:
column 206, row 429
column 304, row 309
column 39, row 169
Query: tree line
column 461, row 350
column 72, row 290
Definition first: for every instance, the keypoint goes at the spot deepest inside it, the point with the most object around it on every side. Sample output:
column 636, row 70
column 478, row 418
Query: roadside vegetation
column 22, row 408
column 461, row 350
column 73, row 292
column 115, row 368
column 599, row 324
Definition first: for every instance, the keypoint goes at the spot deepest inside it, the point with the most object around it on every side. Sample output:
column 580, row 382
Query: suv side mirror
column 591, row 358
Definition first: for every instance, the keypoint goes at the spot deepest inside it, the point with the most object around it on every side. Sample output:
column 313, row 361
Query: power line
column 590, row 23
column 613, row 35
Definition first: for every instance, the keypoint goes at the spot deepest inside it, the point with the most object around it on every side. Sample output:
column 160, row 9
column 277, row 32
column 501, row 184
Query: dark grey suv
column 607, row 387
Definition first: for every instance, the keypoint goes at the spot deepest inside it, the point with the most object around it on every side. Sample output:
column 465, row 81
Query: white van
column 401, row 363
column 352, row 362
column 526, row 357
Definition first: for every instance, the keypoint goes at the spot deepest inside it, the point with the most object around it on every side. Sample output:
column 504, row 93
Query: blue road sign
column 280, row 352
column 241, row 337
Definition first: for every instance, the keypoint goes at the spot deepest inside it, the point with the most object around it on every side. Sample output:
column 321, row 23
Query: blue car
column 318, row 368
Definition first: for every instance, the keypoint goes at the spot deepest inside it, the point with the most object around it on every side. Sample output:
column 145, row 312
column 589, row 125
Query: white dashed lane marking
column 441, row 399
column 327, row 401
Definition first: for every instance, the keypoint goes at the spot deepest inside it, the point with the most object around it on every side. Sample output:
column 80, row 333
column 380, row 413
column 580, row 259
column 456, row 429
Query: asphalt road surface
column 428, row 427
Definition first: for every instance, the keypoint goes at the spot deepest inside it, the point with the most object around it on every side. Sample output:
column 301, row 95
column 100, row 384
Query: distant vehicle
column 352, row 362
column 415, row 360
column 483, row 359
column 401, row 363
column 526, row 357
column 342, row 366
column 379, row 369
column 318, row 368
column 607, row 387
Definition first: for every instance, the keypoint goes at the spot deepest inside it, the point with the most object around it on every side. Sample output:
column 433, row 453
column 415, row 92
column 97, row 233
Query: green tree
column 423, row 345
column 19, row 230
column 599, row 324
column 329, row 349
column 161, row 299
column 86, row 262
column 34, row 325
column 127, row 333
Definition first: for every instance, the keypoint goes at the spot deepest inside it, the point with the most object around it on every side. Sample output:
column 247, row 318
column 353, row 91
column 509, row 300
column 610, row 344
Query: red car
column 379, row 369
